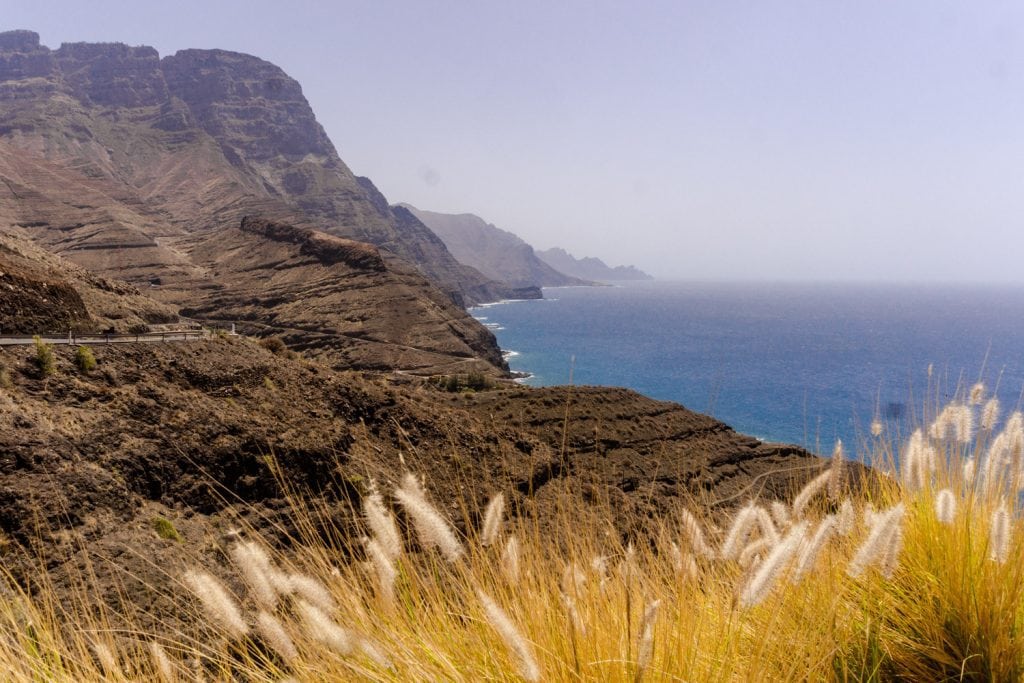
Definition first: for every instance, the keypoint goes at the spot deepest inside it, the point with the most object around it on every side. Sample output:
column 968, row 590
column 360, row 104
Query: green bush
column 165, row 529
column 84, row 359
column 44, row 359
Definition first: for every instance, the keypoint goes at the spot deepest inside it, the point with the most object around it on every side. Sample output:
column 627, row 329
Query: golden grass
column 935, row 601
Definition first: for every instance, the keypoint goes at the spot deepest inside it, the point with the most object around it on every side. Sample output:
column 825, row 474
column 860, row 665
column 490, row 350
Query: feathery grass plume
column 492, row 519
column 810, row 549
column 884, row 527
column 510, row 560
column 628, row 567
column 162, row 665
column 312, row 590
column 811, row 489
column 743, row 524
column 963, row 424
column 837, row 472
column 218, row 604
column 386, row 572
column 943, row 423
column 891, row 553
column 990, row 414
column 573, row 580
column 374, row 652
column 845, row 518
column 996, row 460
column 780, row 513
column 910, row 465
column 753, row 550
column 322, row 629
column 969, row 467
column 106, row 658
column 877, row 427
column 382, row 524
column 514, row 640
column 999, row 534
column 768, row 571
column 256, row 569
column 945, row 506
column 645, row 649
column 977, row 393
column 574, row 615
column 431, row 527
column 695, row 534
column 684, row 564
column 274, row 634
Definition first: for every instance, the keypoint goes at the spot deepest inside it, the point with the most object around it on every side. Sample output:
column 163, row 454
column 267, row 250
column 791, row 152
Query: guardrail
column 101, row 338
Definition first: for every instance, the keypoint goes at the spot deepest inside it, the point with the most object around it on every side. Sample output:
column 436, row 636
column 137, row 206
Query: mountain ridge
column 589, row 266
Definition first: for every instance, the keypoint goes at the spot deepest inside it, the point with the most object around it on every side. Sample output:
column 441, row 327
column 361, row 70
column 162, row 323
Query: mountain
column 144, row 170
column 589, row 267
column 180, row 146
column 496, row 253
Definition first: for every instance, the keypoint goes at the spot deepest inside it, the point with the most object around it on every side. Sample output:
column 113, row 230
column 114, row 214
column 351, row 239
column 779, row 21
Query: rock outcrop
column 496, row 253
column 589, row 267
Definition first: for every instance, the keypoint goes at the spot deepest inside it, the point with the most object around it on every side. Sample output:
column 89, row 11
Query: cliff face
column 198, row 140
column 134, row 166
column 496, row 253
column 590, row 267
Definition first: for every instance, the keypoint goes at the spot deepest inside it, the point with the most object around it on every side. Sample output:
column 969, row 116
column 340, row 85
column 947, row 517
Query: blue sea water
column 796, row 363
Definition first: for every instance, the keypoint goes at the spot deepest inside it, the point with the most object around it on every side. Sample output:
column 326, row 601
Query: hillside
column 589, row 267
column 496, row 253
column 183, row 431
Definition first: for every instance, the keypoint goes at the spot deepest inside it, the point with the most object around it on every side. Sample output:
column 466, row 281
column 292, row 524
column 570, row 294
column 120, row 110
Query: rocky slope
column 182, row 145
column 335, row 298
column 496, row 253
column 589, row 267
column 42, row 293
column 183, row 431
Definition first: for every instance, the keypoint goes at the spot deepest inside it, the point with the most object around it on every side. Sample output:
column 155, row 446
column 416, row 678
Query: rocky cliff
column 190, row 143
column 589, row 267
column 496, row 253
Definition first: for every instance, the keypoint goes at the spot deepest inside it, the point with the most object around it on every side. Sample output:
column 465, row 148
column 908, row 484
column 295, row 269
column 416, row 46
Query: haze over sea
column 797, row 363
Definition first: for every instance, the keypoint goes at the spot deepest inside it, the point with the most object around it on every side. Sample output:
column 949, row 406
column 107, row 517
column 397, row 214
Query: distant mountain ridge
column 497, row 253
column 589, row 267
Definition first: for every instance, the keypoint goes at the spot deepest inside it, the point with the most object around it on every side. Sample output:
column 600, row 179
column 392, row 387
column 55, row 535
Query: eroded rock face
column 202, row 138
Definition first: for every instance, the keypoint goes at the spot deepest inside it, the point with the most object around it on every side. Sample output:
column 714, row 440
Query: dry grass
column 920, row 579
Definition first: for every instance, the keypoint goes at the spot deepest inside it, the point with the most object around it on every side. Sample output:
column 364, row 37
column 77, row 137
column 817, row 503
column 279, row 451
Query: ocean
column 795, row 363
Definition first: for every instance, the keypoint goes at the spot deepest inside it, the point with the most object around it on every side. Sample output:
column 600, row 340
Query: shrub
column 44, row 359
column 165, row 529
column 274, row 344
column 84, row 359
column 139, row 328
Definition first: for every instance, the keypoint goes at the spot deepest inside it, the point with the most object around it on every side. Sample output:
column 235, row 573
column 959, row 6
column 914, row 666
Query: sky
column 798, row 140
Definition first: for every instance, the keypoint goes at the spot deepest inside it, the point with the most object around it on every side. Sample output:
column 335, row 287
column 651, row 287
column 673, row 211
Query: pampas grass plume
column 645, row 650
column 312, row 591
column 386, row 572
column 945, row 506
column 811, row 489
column 162, row 665
column 322, row 628
column 769, row 570
column 257, row 570
column 885, row 532
column 513, row 639
column 990, row 414
column 274, row 634
column 837, row 472
column 977, row 393
column 218, row 604
column 492, row 520
column 106, row 658
column 695, row 534
column 382, row 524
column 431, row 527
column 510, row 560
column 809, row 550
column 999, row 535
column 845, row 518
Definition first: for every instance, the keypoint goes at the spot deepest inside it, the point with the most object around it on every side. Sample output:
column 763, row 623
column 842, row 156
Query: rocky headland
column 589, row 267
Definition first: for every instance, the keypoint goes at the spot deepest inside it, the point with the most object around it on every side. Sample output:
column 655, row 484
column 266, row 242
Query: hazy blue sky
column 819, row 139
